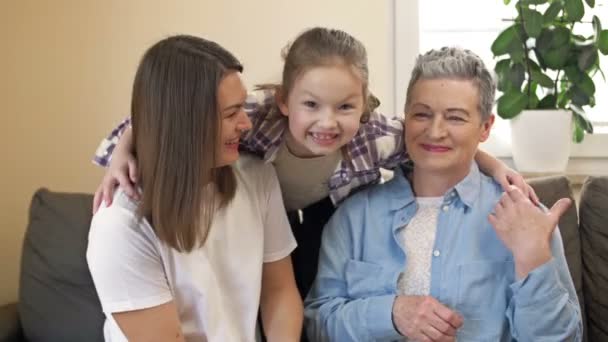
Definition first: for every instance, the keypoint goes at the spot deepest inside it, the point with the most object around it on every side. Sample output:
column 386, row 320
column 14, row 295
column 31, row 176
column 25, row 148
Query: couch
column 57, row 299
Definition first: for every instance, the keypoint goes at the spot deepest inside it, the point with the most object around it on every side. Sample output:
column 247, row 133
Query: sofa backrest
column 594, row 244
column 550, row 190
column 57, row 298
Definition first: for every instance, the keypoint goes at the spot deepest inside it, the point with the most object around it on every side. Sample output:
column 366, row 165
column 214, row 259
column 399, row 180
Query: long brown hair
column 176, row 133
column 320, row 46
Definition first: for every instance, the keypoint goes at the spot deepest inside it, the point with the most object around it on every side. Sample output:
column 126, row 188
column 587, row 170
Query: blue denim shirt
column 472, row 271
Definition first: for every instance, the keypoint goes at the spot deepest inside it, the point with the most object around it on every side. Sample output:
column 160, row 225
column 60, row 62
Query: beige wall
column 66, row 69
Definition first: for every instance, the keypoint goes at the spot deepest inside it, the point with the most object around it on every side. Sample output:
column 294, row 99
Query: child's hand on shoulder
column 121, row 172
column 507, row 177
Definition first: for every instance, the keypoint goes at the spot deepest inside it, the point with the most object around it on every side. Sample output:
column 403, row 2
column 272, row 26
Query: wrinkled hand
column 525, row 229
column 423, row 318
column 121, row 172
column 506, row 177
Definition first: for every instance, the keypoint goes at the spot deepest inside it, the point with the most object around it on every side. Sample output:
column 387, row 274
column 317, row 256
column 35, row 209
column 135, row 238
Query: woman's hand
column 423, row 318
column 525, row 229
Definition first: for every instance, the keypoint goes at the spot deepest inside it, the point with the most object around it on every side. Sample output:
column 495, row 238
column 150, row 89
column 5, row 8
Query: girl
column 319, row 130
column 208, row 243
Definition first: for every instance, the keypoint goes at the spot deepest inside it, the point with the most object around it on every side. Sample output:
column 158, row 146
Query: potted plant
column 545, row 71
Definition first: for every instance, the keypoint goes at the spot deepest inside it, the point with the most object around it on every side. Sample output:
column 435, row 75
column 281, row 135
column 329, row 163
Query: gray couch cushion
column 57, row 298
column 549, row 190
column 594, row 240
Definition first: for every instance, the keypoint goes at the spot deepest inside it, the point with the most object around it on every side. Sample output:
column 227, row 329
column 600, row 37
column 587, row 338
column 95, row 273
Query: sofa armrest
column 10, row 328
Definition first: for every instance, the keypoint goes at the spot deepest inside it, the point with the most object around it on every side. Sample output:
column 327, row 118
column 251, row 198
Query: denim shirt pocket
column 482, row 299
column 364, row 279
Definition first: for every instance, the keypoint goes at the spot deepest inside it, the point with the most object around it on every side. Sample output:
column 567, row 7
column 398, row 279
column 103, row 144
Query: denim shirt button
column 445, row 208
column 436, row 253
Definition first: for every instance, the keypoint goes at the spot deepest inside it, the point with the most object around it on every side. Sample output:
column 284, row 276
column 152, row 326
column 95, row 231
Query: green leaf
column 532, row 2
column 506, row 2
column 573, row 74
column 510, row 104
column 591, row 3
column 552, row 38
column 597, row 27
column 586, row 85
column 575, row 10
column 539, row 58
column 502, row 65
column 516, row 75
column 533, row 101
column 556, row 58
column 542, row 79
column 578, row 96
column 543, row 42
column 578, row 134
column 504, row 41
column 602, row 43
column 581, row 119
column 552, row 12
column 502, row 69
column 533, row 22
column 563, row 97
column 587, row 57
column 517, row 54
column 548, row 102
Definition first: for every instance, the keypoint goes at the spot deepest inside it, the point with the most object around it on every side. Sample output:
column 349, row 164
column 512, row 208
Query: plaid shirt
column 378, row 144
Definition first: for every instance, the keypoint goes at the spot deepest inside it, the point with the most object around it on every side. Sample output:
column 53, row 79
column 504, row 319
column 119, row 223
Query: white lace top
column 418, row 239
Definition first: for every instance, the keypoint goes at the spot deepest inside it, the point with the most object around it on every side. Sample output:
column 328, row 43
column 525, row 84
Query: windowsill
column 577, row 170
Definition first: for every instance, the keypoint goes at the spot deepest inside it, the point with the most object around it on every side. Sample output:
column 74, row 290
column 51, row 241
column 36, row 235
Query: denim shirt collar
column 467, row 189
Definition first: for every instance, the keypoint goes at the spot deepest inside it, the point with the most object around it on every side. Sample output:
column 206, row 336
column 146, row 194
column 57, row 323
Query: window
column 474, row 24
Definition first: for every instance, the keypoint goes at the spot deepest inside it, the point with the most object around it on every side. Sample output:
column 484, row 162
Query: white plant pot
column 541, row 140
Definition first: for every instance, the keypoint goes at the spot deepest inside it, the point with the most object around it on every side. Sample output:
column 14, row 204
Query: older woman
column 418, row 258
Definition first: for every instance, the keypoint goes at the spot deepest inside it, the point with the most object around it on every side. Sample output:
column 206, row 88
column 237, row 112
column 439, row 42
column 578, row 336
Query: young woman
column 207, row 245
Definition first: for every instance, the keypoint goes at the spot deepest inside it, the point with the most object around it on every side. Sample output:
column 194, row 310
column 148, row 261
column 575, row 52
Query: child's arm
column 103, row 154
column 503, row 174
column 122, row 171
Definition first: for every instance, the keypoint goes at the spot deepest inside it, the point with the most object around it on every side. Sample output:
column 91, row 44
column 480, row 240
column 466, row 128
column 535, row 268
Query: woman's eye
column 346, row 106
column 456, row 118
column 310, row 104
column 422, row 115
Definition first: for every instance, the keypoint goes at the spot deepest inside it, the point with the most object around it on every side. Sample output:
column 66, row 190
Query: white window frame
column 588, row 158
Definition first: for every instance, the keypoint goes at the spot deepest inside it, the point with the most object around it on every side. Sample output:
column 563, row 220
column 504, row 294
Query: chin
column 228, row 160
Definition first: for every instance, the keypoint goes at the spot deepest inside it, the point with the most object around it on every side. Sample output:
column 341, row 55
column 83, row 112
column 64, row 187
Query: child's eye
column 310, row 104
column 346, row 106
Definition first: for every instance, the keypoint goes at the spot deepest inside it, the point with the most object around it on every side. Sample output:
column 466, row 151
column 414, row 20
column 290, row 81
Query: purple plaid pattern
column 378, row 144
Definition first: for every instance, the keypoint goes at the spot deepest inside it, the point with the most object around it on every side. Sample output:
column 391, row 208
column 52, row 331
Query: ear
column 281, row 101
column 486, row 127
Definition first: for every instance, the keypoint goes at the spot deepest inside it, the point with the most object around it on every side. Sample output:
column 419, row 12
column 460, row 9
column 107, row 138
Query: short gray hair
column 456, row 63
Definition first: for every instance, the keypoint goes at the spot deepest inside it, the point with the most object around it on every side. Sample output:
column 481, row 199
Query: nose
column 244, row 123
column 327, row 119
column 437, row 130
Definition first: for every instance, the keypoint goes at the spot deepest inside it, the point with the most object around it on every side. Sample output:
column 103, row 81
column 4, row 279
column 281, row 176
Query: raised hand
column 526, row 229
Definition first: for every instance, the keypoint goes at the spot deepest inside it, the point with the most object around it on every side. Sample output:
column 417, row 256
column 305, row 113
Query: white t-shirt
column 418, row 240
column 217, row 287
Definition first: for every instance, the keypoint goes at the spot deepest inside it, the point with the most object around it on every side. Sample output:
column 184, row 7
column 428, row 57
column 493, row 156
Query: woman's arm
column 281, row 306
column 159, row 323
